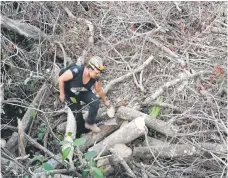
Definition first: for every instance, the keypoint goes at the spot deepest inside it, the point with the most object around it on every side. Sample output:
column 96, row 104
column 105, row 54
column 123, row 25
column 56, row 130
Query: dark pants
column 89, row 98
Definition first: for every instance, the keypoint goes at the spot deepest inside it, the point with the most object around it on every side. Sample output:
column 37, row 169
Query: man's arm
column 100, row 92
column 66, row 76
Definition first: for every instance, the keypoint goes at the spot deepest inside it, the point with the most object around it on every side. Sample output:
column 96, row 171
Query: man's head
column 95, row 66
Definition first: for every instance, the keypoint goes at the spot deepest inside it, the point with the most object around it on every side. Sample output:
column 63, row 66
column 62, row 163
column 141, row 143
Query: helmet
column 96, row 63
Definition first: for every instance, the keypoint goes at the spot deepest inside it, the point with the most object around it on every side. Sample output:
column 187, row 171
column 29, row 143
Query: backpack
column 65, row 69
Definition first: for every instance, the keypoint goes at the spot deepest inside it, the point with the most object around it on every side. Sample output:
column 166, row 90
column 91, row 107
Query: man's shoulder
column 76, row 68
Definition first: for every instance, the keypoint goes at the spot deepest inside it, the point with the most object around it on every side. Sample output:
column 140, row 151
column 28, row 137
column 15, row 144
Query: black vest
column 75, row 85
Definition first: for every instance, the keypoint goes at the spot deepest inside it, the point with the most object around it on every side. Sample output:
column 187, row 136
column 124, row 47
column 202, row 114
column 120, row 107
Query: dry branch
column 22, row 28
column 151, row 122
column 120, row 79
column 21, row 139
column 41, row 96
column 159, row 91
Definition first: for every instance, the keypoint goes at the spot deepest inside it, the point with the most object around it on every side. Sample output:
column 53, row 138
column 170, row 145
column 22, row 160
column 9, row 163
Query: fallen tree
column 151, row 122
column 178, row 150
column 125, row 134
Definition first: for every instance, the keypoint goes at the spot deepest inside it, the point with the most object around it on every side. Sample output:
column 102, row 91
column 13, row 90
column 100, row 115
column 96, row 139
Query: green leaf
column 26, row 176
column 89, row 155
column 69, row 133
column 40, row 136
column 155, row 111
column 79, row 142
column 92, row 163
column 97, row 173
column 34, row 113
column 66, row 153
column 85, row 173
column 47, row 167
column 63, row 142
column 39, row 158
column 73, row 100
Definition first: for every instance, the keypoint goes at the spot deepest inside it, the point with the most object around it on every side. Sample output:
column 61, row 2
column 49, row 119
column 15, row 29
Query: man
column 75, row 86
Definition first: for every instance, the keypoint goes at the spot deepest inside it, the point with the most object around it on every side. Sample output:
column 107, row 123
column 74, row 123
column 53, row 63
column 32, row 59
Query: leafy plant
column 45, row 165
column 42, row 130
column 76, row 142
column 89, row 156
column 155, row 111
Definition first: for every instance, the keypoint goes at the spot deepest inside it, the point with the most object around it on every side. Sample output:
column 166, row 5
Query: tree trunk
column 151, row 122
column 177, row 150
column 124, row 135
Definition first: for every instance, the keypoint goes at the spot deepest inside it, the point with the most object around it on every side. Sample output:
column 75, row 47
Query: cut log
column 151, row 122
column 41, row 96
column 122, row 150
column 177, row 150
column 70, row 128
column 91, row 140
column 126, row 134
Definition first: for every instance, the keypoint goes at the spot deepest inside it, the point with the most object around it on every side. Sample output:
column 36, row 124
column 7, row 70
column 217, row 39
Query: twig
column 159, row 91
column 120, row 79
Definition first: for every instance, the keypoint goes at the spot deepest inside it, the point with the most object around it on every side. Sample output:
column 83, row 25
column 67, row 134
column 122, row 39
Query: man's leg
column 90, row 98
column 75, row 107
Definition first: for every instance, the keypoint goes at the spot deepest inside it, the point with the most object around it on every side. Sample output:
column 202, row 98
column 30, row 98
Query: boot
column 93, row 127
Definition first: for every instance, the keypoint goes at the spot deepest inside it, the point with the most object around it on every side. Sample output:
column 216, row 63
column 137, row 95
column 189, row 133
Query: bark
column 151, row 122
column 154, row 142
column 123, row 163
column 1, row 96
column 70, row 127
column 24, row 29
column 41, row 96
column 178, row 150
column 91, row 140
column 21, row 139
column 126, row 134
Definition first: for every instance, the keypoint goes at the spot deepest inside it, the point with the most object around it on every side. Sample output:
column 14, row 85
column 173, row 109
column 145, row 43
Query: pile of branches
column 165, row 73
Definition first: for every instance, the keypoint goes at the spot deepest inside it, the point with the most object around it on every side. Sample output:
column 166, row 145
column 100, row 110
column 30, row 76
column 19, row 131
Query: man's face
column 94, row 73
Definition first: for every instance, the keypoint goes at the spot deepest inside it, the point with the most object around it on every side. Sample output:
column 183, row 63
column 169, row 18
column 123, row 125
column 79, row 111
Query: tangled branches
column 184, row 39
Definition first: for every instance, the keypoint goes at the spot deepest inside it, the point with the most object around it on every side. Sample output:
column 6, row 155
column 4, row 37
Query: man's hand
column 62, row 97
column 107, row 103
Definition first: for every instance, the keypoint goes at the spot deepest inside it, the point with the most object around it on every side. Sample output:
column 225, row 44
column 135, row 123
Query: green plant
column 89, row 156
column 155, row 111
column 45, row 165
column 42, row 130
